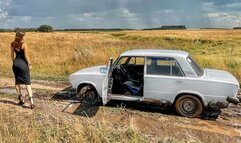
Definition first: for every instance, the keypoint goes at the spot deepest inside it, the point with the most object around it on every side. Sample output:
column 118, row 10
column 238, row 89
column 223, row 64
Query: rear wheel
column 88, row 94
column 189, row 106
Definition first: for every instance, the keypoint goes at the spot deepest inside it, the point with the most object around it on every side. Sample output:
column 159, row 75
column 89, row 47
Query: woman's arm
column 12, row 52
column 25, row 47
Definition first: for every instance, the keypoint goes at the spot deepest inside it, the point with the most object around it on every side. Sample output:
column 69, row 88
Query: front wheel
column 88, row 94
column 189, row 106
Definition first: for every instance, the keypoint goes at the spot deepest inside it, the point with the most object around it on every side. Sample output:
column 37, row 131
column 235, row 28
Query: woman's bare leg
column 30, row 94
column 18, row 90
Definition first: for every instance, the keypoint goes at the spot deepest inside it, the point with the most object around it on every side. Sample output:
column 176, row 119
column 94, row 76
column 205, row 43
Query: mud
column 161, row 122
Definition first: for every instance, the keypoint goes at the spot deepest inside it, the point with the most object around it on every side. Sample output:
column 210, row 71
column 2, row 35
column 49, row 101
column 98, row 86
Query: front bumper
column 233, row 100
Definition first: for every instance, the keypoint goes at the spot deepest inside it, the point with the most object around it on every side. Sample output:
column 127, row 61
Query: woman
column 21, row 67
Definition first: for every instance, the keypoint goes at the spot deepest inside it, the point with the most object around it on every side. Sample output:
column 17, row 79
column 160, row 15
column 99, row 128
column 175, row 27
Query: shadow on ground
column 13, row 103
column 144, row 107
column 8, row 102
column 83, row 109
column 86, row 110
column 89, row 110
column 66, row 94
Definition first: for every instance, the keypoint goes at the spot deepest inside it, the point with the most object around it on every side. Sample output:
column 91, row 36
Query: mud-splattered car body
column 168, row 76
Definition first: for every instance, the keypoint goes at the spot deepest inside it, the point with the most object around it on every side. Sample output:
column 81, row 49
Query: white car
column 165, row 76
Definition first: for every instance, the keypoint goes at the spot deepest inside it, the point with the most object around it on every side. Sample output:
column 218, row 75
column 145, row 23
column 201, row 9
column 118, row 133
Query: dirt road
column 57, row 98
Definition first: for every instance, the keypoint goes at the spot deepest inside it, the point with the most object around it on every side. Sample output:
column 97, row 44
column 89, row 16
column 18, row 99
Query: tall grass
column 56, row 55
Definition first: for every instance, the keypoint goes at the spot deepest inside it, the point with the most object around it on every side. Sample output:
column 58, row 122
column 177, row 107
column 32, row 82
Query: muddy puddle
column 7, row 90
column 208, row 127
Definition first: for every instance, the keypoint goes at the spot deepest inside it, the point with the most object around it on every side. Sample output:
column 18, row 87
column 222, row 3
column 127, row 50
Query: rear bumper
column 233, row 100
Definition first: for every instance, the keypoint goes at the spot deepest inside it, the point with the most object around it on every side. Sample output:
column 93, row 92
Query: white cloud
column 232, row 5
column 126, row 12
column 222, row 16
column 217, row 15
column 87, row 14
column 5, row 3
column 168, row 11
column 25, row 18
column 208, row 6
column 3, row 18
column 119, row 13
column 3, row 14
column 224, row 19
column 114, row 18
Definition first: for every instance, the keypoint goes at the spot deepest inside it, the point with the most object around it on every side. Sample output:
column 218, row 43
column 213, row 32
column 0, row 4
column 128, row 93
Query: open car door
column 105, row 85
column 105, row 90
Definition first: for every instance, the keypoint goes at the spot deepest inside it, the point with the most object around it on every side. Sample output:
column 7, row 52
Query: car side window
column 163, row 66
column 123, row 60
column 136, row 61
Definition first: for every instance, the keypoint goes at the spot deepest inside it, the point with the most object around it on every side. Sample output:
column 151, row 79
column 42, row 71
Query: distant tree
column 16, row 29
column 237, row 28
column 173, row 27
column 214, row 28
column 5, row 30
column 168, row 27
column 95, row 29
column 45, row 28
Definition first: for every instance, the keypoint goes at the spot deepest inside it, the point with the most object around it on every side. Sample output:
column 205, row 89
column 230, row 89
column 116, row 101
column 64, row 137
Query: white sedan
column 165, row 76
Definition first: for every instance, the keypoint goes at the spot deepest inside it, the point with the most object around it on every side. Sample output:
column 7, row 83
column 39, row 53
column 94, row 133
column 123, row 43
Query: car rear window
column 163, row 66
column 197, row 69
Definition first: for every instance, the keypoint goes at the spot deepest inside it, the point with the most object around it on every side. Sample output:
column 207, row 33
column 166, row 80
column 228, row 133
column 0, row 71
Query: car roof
column 152, row 52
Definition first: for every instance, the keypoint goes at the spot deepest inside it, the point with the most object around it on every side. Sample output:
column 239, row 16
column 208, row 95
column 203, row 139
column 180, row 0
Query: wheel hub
column 188, row 106
column 90, row 95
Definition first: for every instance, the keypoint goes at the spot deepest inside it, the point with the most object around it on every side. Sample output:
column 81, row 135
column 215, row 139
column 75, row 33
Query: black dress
column 20, row 68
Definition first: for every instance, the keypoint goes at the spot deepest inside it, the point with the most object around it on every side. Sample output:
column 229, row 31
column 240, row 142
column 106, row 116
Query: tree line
column 237, row 28
column 42, row 28
column 49, row 28
column 95, row 29
column 168, row 27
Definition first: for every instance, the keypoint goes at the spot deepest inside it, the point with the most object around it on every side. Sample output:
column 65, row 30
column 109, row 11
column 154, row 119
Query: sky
column 136, row 14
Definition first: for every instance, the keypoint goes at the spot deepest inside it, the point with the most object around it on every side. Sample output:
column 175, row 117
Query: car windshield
column 197, row 69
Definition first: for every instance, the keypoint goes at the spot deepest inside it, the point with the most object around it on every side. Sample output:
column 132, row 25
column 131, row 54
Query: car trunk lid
column 219, row 75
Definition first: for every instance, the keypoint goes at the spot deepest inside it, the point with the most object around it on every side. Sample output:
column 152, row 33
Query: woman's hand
column 30, row 67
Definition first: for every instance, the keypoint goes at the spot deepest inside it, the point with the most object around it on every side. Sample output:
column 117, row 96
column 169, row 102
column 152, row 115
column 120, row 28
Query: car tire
column 88, row 94
column 189, row 106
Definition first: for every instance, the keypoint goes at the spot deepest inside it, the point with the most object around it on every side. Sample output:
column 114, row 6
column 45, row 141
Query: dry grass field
column 55, row 55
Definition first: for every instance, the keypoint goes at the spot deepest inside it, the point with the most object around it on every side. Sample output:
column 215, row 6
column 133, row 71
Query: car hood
column 220, row 76
column 93, row 70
